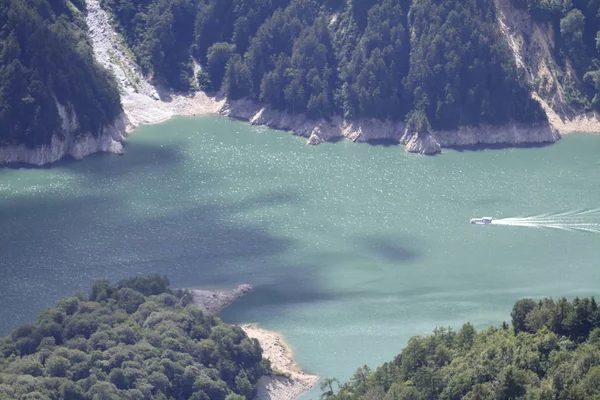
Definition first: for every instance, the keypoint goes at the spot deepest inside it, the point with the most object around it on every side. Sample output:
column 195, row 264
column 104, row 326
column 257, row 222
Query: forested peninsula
column 422, row 73
column 135, row 340
column 551, row 352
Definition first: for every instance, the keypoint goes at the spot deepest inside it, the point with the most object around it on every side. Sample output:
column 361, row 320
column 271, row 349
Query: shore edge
column 288, row 381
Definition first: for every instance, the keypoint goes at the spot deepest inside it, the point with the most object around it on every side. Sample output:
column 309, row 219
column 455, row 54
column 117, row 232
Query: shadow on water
column 271, row 199
column 144, row 156
column 499, row 146
column 392, row 249
column 383, row 142
column 62, row 162
column 299, row 284
column 17, row 166
column 273, row 299
column 199, row 246
column 57, row 243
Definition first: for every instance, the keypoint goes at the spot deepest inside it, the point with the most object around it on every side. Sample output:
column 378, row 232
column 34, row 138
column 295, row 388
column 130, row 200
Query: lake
column 351, row 248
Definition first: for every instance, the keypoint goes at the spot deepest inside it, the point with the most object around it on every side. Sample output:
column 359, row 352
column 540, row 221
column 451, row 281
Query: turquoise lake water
column 351, row 248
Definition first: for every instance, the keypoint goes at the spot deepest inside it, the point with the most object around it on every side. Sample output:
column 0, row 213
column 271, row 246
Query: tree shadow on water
column 54, row 245
column 384, row 142
column 499, row 146
column 392, row 249
column 300, row 284
column 136, row 155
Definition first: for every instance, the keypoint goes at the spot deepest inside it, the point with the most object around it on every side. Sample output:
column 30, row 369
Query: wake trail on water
column 585, row 220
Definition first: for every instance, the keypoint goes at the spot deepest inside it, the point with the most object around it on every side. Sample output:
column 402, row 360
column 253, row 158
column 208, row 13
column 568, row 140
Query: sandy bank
column 289, row 382
column 294, row 382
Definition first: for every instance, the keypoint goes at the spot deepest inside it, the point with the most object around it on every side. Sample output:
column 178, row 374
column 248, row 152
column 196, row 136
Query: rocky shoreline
column 144, row 103
column 366, row 130
column 69, row 143
column 288, row 382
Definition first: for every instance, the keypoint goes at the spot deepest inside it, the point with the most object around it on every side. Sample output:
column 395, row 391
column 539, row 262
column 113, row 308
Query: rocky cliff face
column 533, row 47
column 68, row 142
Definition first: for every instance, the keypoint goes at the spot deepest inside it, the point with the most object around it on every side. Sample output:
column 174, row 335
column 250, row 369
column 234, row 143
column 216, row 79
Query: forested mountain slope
column 552, row 352
column 383, row 59
column 50, row 84
column 442, row 66
column 134, row 340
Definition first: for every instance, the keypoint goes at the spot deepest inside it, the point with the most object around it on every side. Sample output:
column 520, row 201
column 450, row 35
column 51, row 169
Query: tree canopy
column 45, row 59
column 134, row 340
column 360, row 58
column 552, row 352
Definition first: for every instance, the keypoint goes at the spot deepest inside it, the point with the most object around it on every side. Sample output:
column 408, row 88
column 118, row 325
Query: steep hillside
column 381, row 60
column 551, row 352
column 54, row 99
column 421, row 73
column 541, row 48
column 356, row 69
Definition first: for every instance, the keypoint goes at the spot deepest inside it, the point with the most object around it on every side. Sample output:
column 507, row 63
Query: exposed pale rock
column 215, row 301
column 531, row 43
column 509, row 134
column 533, row 47
column 315, row 139
column 420, row 143
column 68, row 143
column 364, row 130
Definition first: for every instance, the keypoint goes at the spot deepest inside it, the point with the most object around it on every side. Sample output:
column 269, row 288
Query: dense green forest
column 552, row 352
column 577, row 30
column 359, row 58
column 45, row 57
column 136, row 340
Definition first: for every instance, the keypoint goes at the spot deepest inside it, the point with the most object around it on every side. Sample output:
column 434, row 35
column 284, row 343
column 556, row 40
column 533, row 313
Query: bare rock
column 215, row 301
column 421, row 143
column 509, row 134
column 314, row 139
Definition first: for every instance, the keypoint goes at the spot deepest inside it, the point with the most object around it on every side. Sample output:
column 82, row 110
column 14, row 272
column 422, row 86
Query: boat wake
column 576, row 220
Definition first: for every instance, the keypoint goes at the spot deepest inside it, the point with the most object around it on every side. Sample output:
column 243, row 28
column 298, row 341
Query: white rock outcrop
column 215, row 301
column 509, row 134
column 69, row 142
column 365, row 130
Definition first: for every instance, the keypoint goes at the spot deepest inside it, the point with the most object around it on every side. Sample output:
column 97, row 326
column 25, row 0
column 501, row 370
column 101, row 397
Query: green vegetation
column 360, row 58
column 45, row 57
column 551, row 353
column 135, row 340
column 577, row 30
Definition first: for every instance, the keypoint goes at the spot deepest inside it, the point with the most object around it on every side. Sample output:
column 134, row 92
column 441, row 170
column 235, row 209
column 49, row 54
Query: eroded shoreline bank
column 144, row 103
column 288, row 382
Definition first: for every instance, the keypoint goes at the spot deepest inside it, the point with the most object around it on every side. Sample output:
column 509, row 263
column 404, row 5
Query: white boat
column 481, row 221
